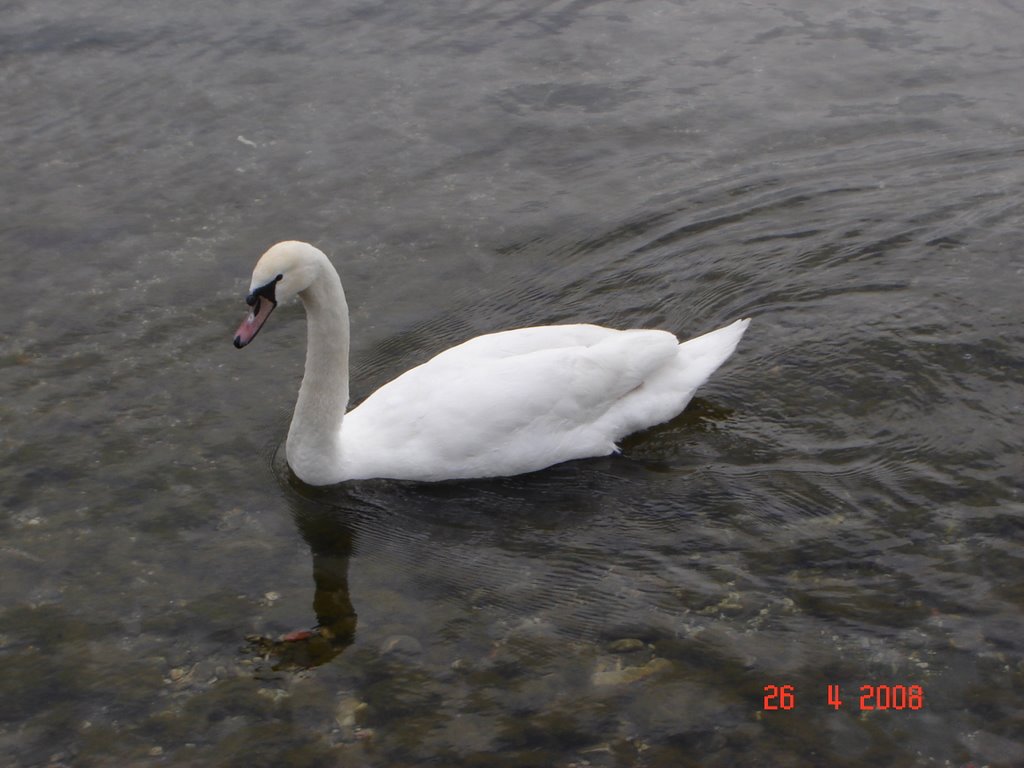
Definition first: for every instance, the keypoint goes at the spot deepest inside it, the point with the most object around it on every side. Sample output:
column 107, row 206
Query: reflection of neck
column 330, row 542
column 331, row 601
column 314, row 438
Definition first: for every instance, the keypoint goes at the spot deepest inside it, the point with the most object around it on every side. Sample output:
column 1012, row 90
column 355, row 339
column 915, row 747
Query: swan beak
column 261, row 309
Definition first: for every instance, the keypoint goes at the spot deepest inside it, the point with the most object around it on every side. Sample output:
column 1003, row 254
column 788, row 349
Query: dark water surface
column 842, row 506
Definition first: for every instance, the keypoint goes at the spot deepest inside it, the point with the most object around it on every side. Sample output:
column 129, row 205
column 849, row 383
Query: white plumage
column 500, row 404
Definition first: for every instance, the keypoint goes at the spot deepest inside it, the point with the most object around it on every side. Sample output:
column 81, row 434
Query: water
column 841, row 506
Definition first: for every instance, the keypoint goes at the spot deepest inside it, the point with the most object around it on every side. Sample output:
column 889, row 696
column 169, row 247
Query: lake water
column 841, row 506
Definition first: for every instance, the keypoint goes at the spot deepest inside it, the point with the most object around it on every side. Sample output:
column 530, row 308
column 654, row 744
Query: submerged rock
column 620, row 675
column 401, row 645
column 627, row 645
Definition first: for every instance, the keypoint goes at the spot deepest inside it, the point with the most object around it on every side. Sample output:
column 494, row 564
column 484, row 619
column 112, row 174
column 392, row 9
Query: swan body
column 499, row 404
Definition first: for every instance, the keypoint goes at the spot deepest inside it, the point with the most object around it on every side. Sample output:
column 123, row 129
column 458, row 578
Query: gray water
column 841, row 506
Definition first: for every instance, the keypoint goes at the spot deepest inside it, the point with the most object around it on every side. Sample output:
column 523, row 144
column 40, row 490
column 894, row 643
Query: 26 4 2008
column 870, row 697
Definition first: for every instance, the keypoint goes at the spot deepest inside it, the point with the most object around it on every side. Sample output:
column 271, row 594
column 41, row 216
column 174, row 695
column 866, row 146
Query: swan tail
column 700, row 357
column 668, row 391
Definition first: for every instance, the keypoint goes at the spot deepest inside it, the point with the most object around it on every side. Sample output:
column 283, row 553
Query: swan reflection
column 330, row 538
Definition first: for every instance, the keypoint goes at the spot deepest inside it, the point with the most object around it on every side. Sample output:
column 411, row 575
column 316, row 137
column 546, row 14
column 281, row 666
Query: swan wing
column 521, row 341
column 504, row 403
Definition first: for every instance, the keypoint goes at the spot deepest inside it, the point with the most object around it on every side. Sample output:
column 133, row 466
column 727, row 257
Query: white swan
column 499, row 404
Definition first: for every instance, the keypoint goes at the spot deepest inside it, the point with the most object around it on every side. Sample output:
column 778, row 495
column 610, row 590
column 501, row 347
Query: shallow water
column 841, row 506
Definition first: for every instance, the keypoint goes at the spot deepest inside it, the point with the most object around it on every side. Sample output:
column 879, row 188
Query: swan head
column 285, row 270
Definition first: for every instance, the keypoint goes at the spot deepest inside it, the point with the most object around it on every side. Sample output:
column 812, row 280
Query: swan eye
column 266, row 291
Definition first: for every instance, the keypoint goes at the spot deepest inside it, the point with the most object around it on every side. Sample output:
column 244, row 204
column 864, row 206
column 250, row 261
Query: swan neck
column 314, row 438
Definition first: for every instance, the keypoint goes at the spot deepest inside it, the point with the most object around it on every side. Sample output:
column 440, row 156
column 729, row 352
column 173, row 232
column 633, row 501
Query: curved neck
column 314, row 438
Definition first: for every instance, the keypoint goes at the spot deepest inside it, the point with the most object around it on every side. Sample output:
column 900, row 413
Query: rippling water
column 841, row 507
